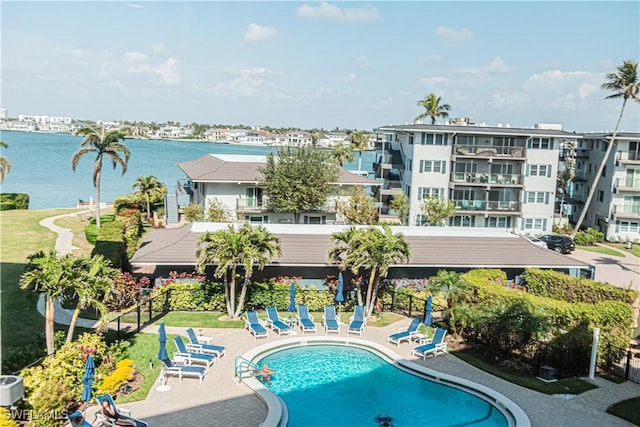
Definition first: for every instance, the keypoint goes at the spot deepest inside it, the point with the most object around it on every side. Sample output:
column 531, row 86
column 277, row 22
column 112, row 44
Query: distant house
column 233, row 181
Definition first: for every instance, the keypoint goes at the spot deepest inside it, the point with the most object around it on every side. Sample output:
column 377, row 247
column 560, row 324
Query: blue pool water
column 333, row 386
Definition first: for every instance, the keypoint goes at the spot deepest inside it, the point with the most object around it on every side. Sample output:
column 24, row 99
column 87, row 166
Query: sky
column 354, row 65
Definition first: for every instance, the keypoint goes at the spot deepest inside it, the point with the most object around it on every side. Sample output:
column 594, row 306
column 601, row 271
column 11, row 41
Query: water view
column 41, row 166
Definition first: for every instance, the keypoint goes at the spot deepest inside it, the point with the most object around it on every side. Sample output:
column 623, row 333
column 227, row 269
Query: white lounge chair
column 405, row 334
column 198, row 347
column 192, row 357
column 437, row 344
column 276, row 323
column 177, row 368
column 305, row 320
column 255, row 326
column 329, row 320
column 357, row 322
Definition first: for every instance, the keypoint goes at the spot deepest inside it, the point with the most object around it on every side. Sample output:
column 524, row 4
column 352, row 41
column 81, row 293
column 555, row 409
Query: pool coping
column 276, row 414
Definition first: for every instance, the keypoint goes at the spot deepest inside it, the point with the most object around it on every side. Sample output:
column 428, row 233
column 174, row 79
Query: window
column 409, row 162
column 627, row 226
column 463, row 221
column 534, row 224
column 540, row 143
column 539, row 170
column 427, row 192
column 536, row 197
column 411, row 139
column 434, row 139
column 604, row 171
column 600, row 195
column 498, row 222
column 432, row 166
column 315, row 219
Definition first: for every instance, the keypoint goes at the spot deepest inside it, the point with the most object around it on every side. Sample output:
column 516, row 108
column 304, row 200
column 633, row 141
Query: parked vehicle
column 559, row 243
column 537, row 241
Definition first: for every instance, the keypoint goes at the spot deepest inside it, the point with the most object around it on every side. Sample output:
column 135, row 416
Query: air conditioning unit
column 11, row 389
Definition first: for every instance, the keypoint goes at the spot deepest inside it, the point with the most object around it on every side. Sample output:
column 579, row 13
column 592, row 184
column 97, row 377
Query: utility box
column 547, row 373
column 11, row 389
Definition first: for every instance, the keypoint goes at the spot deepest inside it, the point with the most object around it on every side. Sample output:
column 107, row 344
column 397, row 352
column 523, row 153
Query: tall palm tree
column 46, row 273
column 565, row 177
column 92, row 287
column 450, row 284
column 624, row 84
column 341, row 154
column 149, row 188
column 433, row 108
column 359, row 141
column 230, row 248
column 103, row 145
column 5, row 164
column 340, row 253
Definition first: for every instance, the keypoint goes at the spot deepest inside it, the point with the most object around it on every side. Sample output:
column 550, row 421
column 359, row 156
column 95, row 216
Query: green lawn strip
column 635, row 249
column 601, row 250
column 565, row 386
column 627, row 410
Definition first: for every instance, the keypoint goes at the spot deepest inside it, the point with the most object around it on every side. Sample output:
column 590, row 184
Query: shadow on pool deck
column 220, row 401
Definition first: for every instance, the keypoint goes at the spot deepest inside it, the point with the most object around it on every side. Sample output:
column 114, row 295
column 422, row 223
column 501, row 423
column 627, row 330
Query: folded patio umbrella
column 292, row 297
column 87, row 378
column 162, row 339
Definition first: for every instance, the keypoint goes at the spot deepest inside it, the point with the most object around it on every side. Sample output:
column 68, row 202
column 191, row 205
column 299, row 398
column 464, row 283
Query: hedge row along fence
column 12, row 201
column 535, row 327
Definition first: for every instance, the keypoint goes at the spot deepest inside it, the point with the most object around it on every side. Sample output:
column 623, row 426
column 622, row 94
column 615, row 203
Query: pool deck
column 220, row 401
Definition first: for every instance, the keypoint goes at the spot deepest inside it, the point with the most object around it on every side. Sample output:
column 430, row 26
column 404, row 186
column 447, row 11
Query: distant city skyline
column 318, row 64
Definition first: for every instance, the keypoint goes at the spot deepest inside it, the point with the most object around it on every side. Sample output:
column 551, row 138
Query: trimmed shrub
column 548, row 283
column 9, row 201
column 589, row 237
column 125, row 202
column 111, row 383
column 110, row 243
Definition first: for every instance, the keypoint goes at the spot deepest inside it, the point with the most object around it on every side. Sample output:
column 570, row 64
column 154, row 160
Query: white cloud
column 331, row 12
column 244, row 83
column 135, row 56
column 158, row 48
column 363, row 61
column 167, row 71
column 435, row 80
column 508, row 100
column 135, row 6
column 351, row 77
column 496, row 66
column 460, row 36
column 256, row 33
column 429, row 59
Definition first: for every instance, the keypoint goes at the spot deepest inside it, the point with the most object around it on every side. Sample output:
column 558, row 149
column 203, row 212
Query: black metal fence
column 399, row 302
column 145, row 312
column 628, row 367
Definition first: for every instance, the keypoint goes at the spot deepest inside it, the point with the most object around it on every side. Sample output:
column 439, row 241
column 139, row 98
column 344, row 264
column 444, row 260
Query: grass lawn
column 601, row 250
column 627, row 409
column 565, row 386
column 635, row 250
column 21, row 236
column 206, row 319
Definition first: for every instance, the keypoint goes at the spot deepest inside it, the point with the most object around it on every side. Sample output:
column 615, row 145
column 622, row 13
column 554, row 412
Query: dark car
column 559, row 243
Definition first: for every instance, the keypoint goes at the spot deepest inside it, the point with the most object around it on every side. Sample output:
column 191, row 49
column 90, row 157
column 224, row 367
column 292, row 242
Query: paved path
column 619, row 271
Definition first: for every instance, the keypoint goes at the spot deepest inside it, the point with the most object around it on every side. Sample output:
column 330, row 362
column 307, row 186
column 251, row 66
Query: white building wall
column 423, row 179
column 538, row 215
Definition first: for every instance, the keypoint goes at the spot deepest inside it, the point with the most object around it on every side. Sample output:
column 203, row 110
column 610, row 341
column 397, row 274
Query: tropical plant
column 624, row 84
column 374, row 249
column 565, row 176
column 103, row 145
column 217, row 211
column 5, row 164
column 341, row 251
column 341, row 154
column 400, row 203
column 298, row 179
column 450, row 284
column 150, row 190
column 230, row 248
column 438, row 210
column 359, row 208
column 193, row 212
column 360, row 142
column 433, row 108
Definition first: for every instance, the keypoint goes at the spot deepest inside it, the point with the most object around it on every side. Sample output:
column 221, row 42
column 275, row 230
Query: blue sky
column 318, row 64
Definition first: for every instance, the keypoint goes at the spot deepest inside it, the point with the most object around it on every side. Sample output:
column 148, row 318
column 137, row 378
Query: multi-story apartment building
column 615, row 207
column 498, row 177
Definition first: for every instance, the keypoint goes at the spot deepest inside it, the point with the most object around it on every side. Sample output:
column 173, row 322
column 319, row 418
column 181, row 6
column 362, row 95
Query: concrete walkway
column 619, row 271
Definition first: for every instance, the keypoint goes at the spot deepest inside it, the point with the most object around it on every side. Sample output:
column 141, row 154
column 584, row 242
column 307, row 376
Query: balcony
column 580, row 176
column 387, row 189
column 254, row 206
column 626, row 211
column 488, row 151
column 487, row 179
column 623, row 185
column 483, row 206
column 185, row 186
column 582, row 153
column 628, row 158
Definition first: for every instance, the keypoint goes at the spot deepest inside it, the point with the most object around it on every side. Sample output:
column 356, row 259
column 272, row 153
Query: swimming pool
column 337, row 385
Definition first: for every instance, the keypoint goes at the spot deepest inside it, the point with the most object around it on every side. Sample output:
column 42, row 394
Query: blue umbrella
column 87, row 378
column 292, row 297
column 340, row 291
column 162, row 339
column 427, row 311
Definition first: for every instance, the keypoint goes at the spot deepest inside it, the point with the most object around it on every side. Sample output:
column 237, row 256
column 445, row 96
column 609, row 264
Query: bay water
column 41, row 166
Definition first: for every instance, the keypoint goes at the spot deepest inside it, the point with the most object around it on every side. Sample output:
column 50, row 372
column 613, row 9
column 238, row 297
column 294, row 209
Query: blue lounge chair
column 191, row 357
column 357, row 321
column 329, row 320
column 276, row 323
column 437, row 344
column 305, row 320
column 255, row 326
column 171, row 368
column 405, row 334
column 198, row 347
column 122, row 413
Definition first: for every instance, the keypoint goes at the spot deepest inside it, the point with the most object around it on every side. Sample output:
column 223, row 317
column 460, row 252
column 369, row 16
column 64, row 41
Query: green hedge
column 111, row 244
column 11, row 201
column 549, row 283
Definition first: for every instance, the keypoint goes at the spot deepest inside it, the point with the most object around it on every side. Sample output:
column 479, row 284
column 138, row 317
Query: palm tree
column 359, row 141
column 5, row 164
column 230, row 248
column 149, row 188
column 565, row 177
column 374, row 249
column 340, row 253
column 450, row 284
column 624, row 84
column 91, row 288
column 433, row 109
column 45, row 273
column 103, row 145
column 341, row 154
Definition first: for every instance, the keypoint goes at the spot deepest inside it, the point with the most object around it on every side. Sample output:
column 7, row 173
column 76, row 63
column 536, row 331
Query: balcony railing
column 623, row 184
column 627, row 211
column 487, row 178
column 632, row 157
column 483, row 205
column 488, row 151
column 259, row 205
